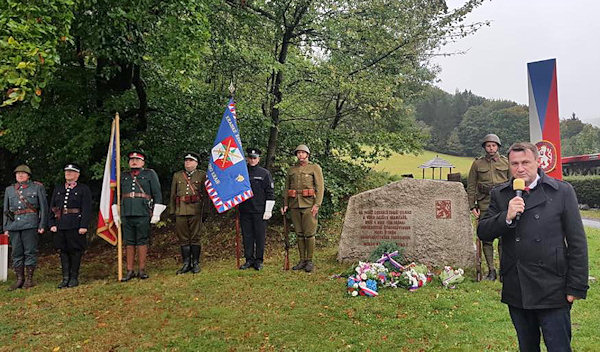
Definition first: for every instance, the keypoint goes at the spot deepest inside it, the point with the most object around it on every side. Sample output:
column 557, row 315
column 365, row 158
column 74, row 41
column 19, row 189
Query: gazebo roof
column 436, row 162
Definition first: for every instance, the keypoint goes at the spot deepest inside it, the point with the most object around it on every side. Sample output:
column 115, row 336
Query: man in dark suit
column 70, row 214
column 544, row 262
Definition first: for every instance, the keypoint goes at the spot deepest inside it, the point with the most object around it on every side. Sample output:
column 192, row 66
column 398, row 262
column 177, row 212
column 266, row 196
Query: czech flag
column 227, row 181
column 544, row 123
column 107, row 228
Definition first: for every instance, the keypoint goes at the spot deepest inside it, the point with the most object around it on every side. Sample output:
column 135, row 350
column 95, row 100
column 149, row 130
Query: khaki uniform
column 486, row 173
column 304, row 187
column 186, row 203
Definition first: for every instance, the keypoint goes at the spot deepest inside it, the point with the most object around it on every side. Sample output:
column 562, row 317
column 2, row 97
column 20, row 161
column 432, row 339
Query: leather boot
column 29, row 270
column 309, row 266
column 301, row 265
column 75, row 264
column 195, row 259
column 65, row 264
column 143, row 274
column 186, row 258
column 491, row 275
column 20, row 273
column 130, row 275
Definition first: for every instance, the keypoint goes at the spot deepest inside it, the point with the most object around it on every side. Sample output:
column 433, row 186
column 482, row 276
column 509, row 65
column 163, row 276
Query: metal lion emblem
column 547, row 155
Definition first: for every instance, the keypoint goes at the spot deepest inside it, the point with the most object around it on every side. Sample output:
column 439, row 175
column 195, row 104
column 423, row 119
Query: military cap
column 192, row 155
column 491, row 138
column 136, row 155
column 253, row 153
column 72, row 167
column 23, row 168
column 302, row 147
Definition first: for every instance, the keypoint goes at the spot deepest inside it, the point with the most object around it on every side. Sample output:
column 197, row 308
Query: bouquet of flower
column 372, row 271
column 417, row 275
column 450, row 277
column 358, row 287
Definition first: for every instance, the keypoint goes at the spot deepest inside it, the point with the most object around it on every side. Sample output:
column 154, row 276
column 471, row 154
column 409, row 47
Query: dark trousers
column 24, row 245
column 69, row 240
column 254, row 231
column 554, row 324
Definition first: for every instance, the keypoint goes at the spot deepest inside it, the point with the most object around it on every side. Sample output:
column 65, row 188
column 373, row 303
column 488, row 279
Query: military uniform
column 255, row 212
column 187, row 201
column 70, row 211
column 486, row 173
column 304, row 188
column 141, row 204
column 25, row 214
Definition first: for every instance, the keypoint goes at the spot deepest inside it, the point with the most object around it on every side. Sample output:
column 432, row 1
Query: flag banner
column 107, row 229
column 227, row 182
column 544, row 123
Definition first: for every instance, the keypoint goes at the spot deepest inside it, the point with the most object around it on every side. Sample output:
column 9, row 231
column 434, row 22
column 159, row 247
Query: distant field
column 409, row 164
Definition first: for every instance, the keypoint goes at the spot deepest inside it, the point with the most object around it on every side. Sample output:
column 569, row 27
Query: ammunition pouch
column 310, row 192
column 291, row 193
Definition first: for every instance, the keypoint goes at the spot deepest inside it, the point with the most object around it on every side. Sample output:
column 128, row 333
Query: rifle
column 286, row 238
column 475, row 222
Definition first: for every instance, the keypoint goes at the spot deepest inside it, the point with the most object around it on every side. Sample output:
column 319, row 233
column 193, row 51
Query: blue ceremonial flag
column 227, row 182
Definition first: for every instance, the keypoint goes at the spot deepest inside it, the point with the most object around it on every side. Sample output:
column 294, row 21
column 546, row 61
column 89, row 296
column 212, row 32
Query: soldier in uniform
column 255, row 212
column 486, row 172
column 187, row 204
column 141, row 205
column 25, row 216
column 70, row 214
column 303, row 195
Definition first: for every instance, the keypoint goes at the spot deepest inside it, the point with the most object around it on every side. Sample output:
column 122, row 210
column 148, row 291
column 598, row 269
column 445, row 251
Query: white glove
column 268, row 209
column 115, row 214
column 158, row 209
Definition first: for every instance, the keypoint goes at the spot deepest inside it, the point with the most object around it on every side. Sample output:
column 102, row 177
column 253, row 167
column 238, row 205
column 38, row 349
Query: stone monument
column 428, row 218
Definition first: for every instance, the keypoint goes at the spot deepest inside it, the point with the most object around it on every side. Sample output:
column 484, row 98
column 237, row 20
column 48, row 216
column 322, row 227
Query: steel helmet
column 491, row 138
column 302, row 147
column 23, row 168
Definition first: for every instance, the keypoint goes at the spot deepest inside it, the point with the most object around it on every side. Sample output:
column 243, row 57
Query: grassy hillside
column 409, row 164
column 225, row 309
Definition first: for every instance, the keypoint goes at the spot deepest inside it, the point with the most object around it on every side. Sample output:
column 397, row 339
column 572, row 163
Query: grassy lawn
column 590, row 214
column 225, row 309
column 399, row 164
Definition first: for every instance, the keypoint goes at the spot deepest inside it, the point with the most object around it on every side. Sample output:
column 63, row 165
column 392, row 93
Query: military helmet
column 23, row 168
column 491, row 138
column 302, row 147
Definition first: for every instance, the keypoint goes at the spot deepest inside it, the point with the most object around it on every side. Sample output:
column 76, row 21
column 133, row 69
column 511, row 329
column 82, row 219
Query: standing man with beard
column 141, row 205
column 71, row 207
column 255, row 212
column 186, row 203
column 25, row 216
column 303, row 195
column 486, row 172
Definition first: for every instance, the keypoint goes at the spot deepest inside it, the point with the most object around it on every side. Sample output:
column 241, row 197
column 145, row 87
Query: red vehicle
column 588, row 164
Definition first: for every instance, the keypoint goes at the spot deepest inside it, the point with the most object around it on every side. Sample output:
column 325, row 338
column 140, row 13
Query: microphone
column 518, row 186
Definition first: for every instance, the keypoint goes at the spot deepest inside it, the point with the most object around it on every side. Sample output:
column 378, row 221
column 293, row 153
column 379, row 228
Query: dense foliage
column 337, row 76
column 587, row 189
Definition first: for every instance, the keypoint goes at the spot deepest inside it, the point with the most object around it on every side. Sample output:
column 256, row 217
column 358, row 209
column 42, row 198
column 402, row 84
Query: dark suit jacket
column 80, row 198
column 544, row 254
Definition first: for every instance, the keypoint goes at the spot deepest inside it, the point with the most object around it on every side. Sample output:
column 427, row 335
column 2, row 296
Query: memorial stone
column 429, row 219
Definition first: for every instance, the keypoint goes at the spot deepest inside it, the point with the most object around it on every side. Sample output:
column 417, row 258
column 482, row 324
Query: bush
column 587, row 189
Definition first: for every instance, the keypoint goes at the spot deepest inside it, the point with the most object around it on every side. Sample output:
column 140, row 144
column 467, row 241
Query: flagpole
column 119, row 233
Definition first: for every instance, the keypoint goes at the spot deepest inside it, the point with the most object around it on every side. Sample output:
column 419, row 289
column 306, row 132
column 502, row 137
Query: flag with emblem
column 227, row 182
column 107, row 229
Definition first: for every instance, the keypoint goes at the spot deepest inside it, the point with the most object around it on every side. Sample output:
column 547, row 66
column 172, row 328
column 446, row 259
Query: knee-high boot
column 186, row 258
column 65, row 264
column 195, row 259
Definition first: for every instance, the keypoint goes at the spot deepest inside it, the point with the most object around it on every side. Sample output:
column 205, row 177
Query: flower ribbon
column 388, row 257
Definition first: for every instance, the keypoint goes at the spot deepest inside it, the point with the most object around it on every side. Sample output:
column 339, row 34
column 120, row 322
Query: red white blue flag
column 227, row 182
column 106, row 224
column 544, row 124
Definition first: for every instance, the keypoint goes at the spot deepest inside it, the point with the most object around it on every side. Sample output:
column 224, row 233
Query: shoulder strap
column 187, row 179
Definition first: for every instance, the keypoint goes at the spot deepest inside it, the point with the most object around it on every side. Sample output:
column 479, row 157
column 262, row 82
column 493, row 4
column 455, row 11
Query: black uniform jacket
column 80, row 198
column 262, row 187
column 544, row 254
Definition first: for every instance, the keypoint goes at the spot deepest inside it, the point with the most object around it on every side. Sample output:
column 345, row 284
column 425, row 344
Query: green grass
column 399, row 164
column 225, row 309
column 590, row 214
